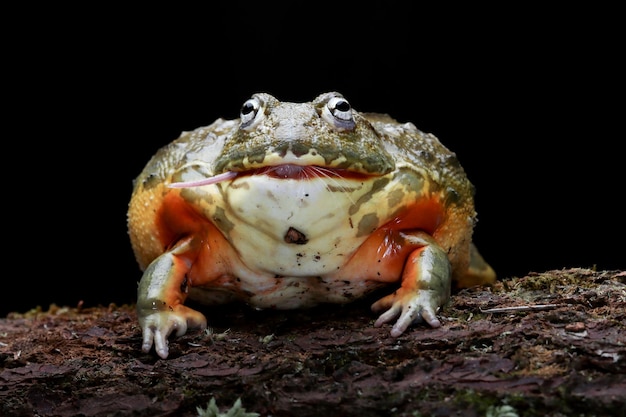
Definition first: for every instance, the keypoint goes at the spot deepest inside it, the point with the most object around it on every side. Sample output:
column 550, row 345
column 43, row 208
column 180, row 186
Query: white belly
column 294, row 227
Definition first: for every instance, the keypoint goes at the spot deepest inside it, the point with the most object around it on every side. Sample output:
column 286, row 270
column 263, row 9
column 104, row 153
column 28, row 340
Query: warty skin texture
column 296, row 204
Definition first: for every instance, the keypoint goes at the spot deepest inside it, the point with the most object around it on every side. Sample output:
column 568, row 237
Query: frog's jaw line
column 285, row 171
column 229, row 175
column 302, row 172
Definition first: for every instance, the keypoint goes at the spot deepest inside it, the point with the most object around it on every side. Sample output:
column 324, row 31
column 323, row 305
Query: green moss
column 235, row 411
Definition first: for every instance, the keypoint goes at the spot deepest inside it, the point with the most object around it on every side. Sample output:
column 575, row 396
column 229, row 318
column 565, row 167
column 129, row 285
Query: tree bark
column 547, row 344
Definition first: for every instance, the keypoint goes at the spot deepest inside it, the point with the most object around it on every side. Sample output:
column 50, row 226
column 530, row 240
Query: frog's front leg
column 425, row 287
column 162, row 291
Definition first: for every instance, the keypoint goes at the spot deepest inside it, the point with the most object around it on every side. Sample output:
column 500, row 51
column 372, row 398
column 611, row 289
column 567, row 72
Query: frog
column 298, row 204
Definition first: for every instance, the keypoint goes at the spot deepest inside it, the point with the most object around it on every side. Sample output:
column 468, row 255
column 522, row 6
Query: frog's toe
column 148, row 339
column 388, row 315
column 429, row 315
column 161, row 346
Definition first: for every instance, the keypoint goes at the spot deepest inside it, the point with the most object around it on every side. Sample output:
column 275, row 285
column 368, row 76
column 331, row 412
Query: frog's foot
column 410, row 308
column 425, row 288
column 159, row 325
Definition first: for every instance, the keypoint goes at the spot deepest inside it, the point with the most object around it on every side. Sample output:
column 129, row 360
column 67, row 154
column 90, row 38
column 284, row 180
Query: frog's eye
column 338, row 112
column 251, row 113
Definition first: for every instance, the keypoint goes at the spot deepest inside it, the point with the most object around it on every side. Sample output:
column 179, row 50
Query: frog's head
column 299, row 140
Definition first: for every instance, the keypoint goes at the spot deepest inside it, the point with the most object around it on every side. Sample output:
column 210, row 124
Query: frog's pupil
column 342, row 106
column 247, row 108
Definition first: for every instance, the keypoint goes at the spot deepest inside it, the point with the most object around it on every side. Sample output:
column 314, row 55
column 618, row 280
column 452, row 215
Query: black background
column 530, row 100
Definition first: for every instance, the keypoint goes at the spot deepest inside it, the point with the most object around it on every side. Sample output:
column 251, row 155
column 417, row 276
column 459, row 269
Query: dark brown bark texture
column 546, row 344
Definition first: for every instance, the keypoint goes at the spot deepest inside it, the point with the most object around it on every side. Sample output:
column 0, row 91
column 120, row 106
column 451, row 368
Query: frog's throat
column 285, row 171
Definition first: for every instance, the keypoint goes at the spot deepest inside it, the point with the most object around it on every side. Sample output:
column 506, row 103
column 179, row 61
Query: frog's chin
column 284, row 171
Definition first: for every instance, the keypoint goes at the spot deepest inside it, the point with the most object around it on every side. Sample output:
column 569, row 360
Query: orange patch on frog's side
column 383, row 255
column 176, row 219
column 427, row 215
column 211, row 255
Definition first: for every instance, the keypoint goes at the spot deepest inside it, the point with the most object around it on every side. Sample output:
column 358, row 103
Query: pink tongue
column 206, row 181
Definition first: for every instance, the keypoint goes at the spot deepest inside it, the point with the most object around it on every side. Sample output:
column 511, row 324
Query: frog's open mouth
column 304, row 172
column 285, row 171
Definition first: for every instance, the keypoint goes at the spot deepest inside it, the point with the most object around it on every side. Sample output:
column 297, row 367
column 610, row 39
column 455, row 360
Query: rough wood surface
column 548, row 344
